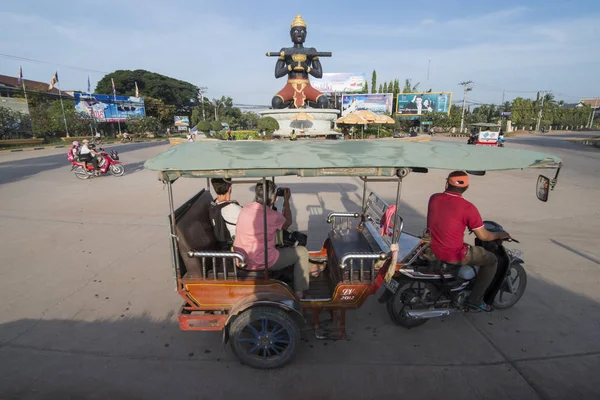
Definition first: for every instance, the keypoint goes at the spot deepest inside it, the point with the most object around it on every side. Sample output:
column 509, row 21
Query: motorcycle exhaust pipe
column 425, row 314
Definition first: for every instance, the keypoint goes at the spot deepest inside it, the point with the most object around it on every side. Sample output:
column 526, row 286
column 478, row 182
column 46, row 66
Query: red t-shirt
column 448, row 215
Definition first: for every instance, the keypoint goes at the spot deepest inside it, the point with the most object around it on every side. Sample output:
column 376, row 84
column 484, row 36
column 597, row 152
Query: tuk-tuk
column 485, row 134
column 258, row 311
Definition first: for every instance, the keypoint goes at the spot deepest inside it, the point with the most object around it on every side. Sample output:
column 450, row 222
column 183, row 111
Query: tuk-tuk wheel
column 264, row 337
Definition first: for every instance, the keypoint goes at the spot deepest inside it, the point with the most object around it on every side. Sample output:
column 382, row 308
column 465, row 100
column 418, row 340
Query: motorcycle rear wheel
column 512, row 288
column 81, row 173
column 396, row 305
column 117, row 170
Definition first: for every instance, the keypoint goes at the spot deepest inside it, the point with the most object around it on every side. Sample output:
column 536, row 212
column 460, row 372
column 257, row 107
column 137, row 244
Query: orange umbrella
column 384, row 119
column 353, row 119
column 369, row 115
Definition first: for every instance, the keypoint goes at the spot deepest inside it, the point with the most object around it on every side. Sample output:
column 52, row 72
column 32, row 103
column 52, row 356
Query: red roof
column 595, row 102
column 14, row 82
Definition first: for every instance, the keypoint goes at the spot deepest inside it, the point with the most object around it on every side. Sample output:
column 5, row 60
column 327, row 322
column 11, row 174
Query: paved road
column 88, row 307
column 17, row 166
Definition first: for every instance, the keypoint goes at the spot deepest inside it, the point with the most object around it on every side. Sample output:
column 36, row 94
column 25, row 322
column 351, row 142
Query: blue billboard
column 376, row 103
column 421, row 103
column 107, row 108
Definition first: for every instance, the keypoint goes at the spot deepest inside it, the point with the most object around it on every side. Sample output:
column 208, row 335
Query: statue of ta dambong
column 297, row 63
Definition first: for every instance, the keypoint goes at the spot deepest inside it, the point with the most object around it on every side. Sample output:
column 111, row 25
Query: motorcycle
column 433, row 289
column 106, row 164
column 501, row 141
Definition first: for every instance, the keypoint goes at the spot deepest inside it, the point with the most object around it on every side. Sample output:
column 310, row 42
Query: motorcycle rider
column 86, row 154
column 75, row 151
column 447, row 217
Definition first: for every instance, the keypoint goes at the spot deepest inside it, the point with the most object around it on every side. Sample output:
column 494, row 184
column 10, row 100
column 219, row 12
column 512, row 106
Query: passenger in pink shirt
column 249, row 238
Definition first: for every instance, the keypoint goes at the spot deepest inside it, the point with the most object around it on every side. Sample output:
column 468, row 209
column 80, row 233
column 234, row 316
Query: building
column 11, row 92
column 594, row 102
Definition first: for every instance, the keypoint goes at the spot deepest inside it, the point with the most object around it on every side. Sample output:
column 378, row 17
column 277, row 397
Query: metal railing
column 337, row 219
column 213, row 256
column 348, row 260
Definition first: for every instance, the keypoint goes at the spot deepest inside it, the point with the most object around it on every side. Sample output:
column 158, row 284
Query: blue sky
column 518, row 46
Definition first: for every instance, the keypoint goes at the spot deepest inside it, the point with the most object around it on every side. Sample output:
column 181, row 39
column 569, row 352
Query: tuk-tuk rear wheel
column 264, row 337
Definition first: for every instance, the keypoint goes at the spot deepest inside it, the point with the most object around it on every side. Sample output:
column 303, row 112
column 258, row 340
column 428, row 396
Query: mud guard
column 286, row 303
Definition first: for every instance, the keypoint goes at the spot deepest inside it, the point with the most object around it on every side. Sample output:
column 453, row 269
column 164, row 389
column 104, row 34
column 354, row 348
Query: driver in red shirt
column 447, row 217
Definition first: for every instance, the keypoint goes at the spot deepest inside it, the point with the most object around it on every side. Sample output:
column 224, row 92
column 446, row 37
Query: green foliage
column 249, row 120
column 143, row 125
column 365, row 88
column 269, row 124
column 374, row 82
column 409, row 87
column 216, row 126
column 204, row 126
column 385, row 87
column 380, row 88
column 13, row 123
column 161, row 111
column 169, row 90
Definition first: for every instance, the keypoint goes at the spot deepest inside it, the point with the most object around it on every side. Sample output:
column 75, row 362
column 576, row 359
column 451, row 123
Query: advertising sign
column 340, row 82
column 183, row 121
column 107, row 108
column 421, row 103
column 376, row 103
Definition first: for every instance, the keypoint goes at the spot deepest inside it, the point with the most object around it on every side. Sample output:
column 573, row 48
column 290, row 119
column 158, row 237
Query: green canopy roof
column 232, row 159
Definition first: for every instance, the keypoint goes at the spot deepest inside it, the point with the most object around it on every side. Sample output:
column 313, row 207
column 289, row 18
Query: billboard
column 107, row 108
column 377, row 103
column 182, row 121
column 421, row 103
column 335, row 82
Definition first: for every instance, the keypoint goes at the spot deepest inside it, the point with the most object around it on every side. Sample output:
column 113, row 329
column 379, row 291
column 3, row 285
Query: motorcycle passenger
column 224, row 213
column 75, row 151
column 86, row 154
column 249, row 239
column 447, row 217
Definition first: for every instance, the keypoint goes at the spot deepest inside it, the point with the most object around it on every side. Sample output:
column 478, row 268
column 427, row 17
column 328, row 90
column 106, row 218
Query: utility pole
column 539, row 118
column 591, row 125
column 465, row 85
column 201, row 93
column 503, row 93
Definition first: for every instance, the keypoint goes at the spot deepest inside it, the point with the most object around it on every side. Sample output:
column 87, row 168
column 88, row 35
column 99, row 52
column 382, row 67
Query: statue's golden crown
column 298, row 21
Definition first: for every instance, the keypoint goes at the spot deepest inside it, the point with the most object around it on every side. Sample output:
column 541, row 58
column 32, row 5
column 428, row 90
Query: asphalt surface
column 88, row 308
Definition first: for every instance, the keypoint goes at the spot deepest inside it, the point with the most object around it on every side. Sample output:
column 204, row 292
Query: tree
column 196, row 115
column 216, row 126
column 268, row 124
column 409, row 87
column 396, row 88
column 380, row 88
column 10, row 122
column 385, row 87
column 141, row 125
column 249, row 120
column 365, row 88
column 204, row 126
column 374, row 82
column 158, row 109
column 169, row 90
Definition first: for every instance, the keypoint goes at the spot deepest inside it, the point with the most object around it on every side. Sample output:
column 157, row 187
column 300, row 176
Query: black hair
column 220, row 185
column 259, row 193
column 456, row 189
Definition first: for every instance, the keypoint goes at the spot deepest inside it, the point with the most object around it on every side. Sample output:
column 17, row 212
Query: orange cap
column 458, row 179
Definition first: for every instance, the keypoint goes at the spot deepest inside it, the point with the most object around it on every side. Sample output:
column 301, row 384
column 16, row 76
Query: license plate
column 392, row 285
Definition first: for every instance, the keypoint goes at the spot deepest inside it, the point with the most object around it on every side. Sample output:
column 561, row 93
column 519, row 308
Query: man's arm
column 287, row 211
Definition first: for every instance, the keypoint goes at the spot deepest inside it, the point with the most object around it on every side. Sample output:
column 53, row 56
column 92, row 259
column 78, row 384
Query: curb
column 65, row 146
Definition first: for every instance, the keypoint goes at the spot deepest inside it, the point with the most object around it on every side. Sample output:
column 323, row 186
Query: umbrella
column 369, row 115
column 353, row 119
column 302, row 116
column 383, row 119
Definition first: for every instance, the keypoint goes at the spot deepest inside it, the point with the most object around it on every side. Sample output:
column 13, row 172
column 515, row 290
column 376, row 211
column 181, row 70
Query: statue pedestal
column 319, row 126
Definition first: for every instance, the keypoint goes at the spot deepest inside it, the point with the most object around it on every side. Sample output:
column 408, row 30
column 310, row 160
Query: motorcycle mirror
column 476, row 173
column 542, row 188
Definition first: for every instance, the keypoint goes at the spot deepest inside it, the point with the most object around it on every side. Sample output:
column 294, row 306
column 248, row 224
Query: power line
column 9, row 56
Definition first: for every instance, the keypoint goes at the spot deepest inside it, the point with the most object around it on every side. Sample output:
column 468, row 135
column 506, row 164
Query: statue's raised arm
column 297, row 63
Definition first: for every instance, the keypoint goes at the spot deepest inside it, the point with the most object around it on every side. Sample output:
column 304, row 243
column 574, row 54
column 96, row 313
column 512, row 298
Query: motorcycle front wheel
column 81, row 173
column 117, row 170
column 512, row 288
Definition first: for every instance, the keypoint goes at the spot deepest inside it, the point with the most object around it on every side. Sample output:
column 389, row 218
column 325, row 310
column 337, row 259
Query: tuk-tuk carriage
column 258, row 312
column 484, row 134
